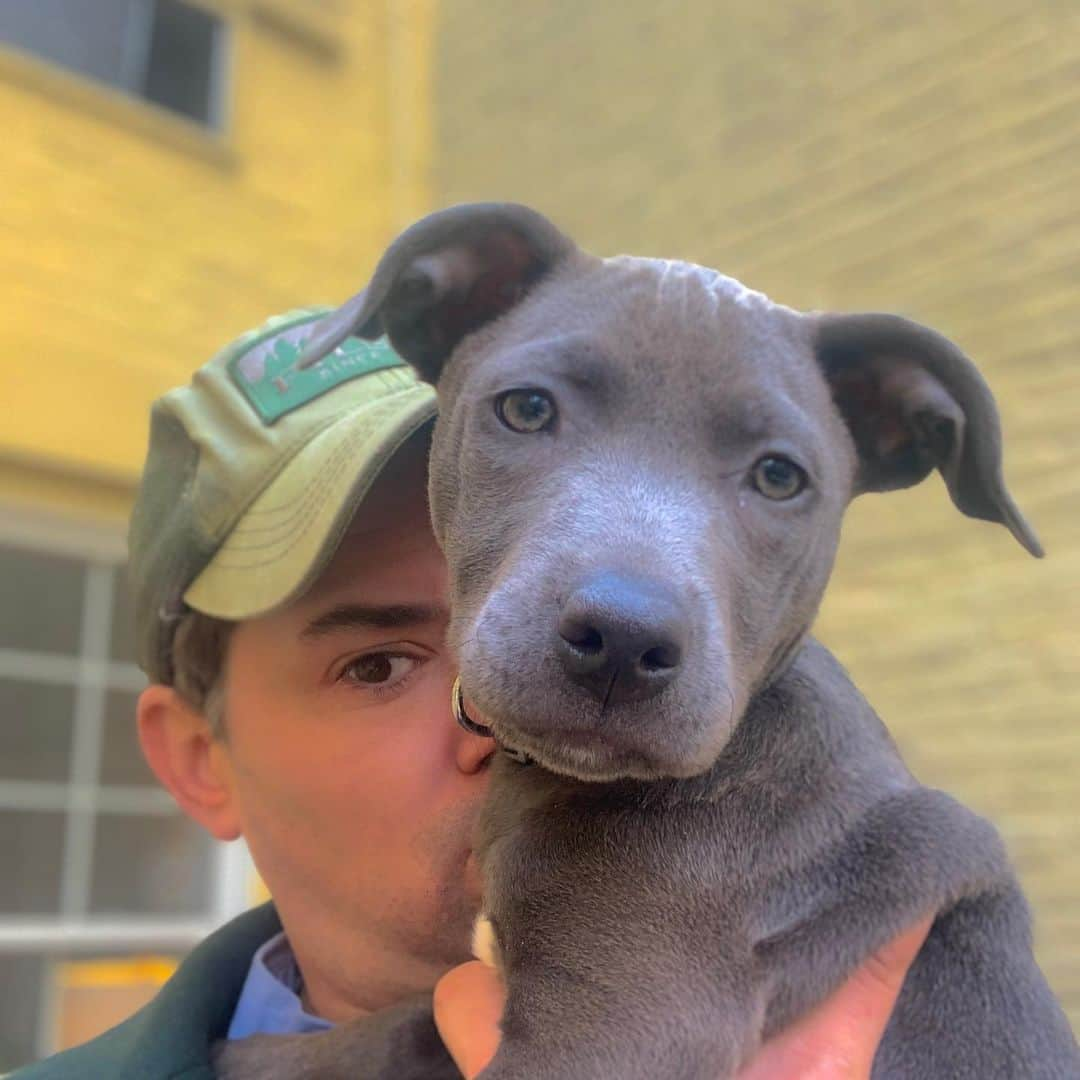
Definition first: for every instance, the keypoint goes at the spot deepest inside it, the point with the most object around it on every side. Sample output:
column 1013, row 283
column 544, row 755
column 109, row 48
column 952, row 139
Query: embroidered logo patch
column 270, row 380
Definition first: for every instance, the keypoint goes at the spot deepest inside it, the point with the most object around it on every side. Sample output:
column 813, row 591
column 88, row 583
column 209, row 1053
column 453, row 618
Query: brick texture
column 916, row 157
column 133, row 245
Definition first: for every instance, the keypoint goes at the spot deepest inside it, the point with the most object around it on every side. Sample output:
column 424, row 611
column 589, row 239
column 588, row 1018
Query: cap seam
column 332, row 539
column 309, row 498
column 288, row 452
column 292, row 448
column 283, row 551
column 295, row 509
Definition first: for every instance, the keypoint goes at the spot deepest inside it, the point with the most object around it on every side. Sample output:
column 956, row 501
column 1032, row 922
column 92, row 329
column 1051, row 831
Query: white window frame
column 92, row 673
column 212, row 141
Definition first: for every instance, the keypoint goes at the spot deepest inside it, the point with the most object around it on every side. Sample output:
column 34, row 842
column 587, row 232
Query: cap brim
column 292, row 529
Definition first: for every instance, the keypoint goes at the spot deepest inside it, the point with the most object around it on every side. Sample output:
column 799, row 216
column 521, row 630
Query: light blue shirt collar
column 269, row 1003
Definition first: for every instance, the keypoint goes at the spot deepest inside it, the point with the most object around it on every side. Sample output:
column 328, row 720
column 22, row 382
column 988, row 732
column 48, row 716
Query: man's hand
column 836, row 1041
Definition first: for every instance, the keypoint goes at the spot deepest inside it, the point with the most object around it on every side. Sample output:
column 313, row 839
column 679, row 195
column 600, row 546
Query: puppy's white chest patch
column 484, row 946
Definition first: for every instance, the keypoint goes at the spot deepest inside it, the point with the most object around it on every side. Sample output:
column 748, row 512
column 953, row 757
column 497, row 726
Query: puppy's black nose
column 621, row 637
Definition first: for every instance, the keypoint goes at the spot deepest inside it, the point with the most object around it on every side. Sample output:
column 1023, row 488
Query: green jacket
column 170, row 1038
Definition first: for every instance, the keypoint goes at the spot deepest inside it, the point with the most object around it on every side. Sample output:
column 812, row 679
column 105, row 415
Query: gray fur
column 397, row 1043
column 684, row 873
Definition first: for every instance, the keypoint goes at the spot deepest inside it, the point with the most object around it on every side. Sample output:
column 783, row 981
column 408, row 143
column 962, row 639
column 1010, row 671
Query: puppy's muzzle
column 622, row 637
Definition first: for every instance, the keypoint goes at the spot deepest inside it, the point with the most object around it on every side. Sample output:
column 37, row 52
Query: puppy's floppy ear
column 914, row 402
column 444, row 277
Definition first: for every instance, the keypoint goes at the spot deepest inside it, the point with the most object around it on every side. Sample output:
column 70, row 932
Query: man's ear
column 188, row 760
column 914, row 402
column 444, row 277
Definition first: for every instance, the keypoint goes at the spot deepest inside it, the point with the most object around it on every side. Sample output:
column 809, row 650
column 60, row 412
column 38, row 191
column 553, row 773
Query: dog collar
column 457, row 707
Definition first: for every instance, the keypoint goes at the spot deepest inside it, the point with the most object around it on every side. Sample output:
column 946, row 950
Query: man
column 290, row 616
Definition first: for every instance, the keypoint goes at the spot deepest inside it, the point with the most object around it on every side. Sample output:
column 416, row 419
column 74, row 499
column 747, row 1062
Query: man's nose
column 472, row 752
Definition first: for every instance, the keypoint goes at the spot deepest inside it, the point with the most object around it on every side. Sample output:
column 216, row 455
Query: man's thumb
column 468, row 1003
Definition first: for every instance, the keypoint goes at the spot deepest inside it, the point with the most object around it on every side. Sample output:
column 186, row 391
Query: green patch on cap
column 273, row 385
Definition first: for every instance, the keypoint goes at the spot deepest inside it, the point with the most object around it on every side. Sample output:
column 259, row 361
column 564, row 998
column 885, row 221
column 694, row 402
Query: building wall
column 134, row 244
column 855, row 155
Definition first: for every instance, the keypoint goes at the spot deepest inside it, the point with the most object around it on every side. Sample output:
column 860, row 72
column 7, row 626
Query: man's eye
column 379, row 670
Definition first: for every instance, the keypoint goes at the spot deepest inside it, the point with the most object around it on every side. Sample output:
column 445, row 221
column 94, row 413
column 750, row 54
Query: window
column 98, row 863
column 314, row 23
column 168, row 52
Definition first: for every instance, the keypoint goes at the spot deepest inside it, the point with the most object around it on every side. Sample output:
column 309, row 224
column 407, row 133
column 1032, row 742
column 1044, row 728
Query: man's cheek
column 474, row 885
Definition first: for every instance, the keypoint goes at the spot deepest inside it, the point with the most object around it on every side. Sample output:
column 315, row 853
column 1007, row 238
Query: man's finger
column 838, row 1039
column 468, row 1003
column 877, row 984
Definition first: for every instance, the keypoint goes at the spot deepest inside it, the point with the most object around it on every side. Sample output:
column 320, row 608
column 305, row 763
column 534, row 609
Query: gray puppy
column 638, row 478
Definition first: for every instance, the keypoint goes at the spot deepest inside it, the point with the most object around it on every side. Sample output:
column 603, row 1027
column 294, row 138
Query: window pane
column 122, row 646
column 91, row 994
column 121, row 758
column 181, row 71
column 35, row 731
column 20, row 998
column 31, row 843
column 166, row 51
column 88, row 37
column 43, row 599
column 88, row 993
column 150, row 865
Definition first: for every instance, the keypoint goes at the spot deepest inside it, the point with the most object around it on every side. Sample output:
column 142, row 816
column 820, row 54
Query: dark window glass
column 43, row 600
column 32, row 842
column 20, row 999
column 35, row 731
column 181, row 73
column 150, row 865
column 122, row 761
column 166, row 51
column 87, row 36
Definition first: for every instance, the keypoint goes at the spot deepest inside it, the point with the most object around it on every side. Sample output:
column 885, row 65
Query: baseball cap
column 255, row 470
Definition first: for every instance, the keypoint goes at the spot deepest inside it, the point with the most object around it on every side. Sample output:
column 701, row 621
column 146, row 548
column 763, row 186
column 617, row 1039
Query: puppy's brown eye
column 777, row 478
column 525, row 411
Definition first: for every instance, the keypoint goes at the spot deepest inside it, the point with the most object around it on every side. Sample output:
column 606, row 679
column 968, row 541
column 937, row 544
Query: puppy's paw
column 484, row 945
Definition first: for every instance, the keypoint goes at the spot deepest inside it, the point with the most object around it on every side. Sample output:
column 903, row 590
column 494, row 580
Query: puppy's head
column 639, row 472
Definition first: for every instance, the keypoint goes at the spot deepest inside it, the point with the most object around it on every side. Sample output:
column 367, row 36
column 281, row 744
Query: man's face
column 354, row 789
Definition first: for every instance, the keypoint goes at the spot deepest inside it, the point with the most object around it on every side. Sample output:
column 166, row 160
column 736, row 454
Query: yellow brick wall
column 133, row 244
column 923, row 158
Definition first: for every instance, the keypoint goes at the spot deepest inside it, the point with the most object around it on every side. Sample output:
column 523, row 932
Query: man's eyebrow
column 373, row 617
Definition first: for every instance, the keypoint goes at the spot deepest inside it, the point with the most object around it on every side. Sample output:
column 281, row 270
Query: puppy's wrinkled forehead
column 692, row 290
column 670, row 326
column 650, row 303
